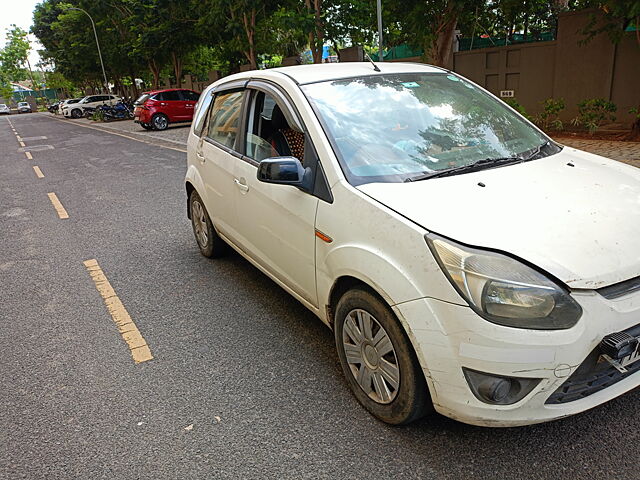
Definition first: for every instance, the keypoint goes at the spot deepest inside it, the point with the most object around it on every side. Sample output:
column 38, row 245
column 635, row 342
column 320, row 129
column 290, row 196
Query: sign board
column 506, row 93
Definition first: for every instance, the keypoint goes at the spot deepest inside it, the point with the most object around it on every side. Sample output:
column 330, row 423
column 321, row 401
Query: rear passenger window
column 169, row 96
column 225, row 118
column 201, row 113
column 190, row 96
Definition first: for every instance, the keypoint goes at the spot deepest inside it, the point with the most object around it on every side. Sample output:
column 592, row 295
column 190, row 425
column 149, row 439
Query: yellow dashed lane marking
column 29, row 156
column 62, row 213
column 137, row 345
column 22, row 144
column 39, row 173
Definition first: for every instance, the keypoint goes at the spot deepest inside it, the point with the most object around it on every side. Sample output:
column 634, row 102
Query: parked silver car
column 24, row 107
column 5, row 109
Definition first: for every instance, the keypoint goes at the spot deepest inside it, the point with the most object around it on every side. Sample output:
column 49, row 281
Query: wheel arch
column 193, row 182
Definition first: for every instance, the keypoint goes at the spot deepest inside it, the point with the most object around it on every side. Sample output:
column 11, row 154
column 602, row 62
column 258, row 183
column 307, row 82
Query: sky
column 19, row 12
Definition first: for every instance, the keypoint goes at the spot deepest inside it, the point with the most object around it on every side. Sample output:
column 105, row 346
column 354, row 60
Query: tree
column 15, row 55
column 617, row 16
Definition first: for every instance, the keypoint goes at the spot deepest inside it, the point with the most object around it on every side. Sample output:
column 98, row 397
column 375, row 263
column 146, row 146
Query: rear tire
column 209, row 242
column 159, row 122
column 378, row 360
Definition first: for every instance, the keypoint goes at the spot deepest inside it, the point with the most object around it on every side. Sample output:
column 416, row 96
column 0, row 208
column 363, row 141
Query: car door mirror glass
column 284, row 171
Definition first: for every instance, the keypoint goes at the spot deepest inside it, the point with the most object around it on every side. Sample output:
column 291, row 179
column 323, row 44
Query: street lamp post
column 379, row 6
column 106, row 83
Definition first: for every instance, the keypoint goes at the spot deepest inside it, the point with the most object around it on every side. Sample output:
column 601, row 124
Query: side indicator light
column 323, row 237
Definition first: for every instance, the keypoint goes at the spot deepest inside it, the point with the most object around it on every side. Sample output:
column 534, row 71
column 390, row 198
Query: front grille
column 619, row 289
column 593, row 375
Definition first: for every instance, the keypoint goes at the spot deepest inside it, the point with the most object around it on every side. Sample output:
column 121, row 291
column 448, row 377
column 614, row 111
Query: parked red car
column 157, row 109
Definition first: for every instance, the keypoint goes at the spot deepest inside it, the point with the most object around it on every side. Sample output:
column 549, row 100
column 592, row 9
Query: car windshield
column 389, row 128
column 2, row 105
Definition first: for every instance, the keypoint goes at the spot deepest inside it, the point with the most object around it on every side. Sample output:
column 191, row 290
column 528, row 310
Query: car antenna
column 375, row 67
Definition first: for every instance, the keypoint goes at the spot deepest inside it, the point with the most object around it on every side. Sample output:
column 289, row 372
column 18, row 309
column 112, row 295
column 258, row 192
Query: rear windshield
column 143, row 98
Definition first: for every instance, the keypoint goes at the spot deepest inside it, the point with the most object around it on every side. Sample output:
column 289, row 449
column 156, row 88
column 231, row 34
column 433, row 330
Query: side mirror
column 285, row 171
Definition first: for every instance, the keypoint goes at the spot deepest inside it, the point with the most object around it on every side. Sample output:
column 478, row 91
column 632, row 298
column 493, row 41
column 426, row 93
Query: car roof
column 153, row 92
column 303, row 74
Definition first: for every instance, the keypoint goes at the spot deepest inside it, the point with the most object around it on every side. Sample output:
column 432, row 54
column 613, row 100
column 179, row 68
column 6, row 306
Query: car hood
column 580, row 223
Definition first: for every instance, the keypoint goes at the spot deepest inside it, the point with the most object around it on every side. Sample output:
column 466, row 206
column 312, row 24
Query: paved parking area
column 175, row 134
column 627, row 152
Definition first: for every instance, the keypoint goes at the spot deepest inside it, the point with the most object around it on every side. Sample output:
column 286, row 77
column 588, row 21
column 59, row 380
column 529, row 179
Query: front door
column 276, row 223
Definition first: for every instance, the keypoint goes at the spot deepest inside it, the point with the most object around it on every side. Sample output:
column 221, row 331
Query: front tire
column 209, row 242
column 378, row 360
column 76, row 113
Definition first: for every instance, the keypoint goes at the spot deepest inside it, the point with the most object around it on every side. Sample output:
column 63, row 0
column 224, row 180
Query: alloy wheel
column 160, row 122
column 200, row 223
column 371, row 357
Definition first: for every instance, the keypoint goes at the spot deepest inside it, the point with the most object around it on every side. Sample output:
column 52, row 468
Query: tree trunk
column 316, row 35
column 440, row 52
column 177, row 68
column 155, row 71
column 250, row 30
column 134, row 86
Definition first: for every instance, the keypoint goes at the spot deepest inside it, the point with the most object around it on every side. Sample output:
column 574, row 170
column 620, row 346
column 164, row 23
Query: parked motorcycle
column 120, row 111
column 53, row 107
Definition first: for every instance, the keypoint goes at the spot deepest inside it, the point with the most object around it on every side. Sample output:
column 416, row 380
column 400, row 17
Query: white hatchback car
column 465, row 261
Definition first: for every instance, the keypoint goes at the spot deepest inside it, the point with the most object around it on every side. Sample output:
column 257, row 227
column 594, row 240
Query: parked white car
column 465, row 261
column 76, row 110
column 4, row 109
column 67, row 102
column 24, row 107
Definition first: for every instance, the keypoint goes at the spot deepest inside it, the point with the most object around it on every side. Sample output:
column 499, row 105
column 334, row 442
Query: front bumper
column 448, row 337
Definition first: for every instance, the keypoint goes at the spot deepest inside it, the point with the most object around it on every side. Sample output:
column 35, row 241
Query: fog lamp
column 498, row 389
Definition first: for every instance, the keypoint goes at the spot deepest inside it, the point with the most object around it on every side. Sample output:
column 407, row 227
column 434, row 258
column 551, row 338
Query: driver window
column 269, row 134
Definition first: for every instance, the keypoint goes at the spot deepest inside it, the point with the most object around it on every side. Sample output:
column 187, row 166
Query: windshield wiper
column 479, row 165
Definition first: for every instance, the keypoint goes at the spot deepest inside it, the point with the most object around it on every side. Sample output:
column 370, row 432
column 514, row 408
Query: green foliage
column 14, row 56
column 513, row 103
column 595, row 112
column 153, row 38
column 549, row 117
column 618, row 15
column 98, row 116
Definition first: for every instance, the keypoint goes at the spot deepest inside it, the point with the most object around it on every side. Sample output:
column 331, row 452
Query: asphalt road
column 244, row 382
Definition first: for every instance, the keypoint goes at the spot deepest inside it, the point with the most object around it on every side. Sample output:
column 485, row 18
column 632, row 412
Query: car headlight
column 503, row 290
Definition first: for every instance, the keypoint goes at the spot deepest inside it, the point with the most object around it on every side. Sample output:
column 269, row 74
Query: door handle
column 200, row 156
column 241, row 185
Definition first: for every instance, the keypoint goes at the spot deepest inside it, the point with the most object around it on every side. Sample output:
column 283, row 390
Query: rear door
column 190, row 100
column 173, row 105
column 216, row 158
